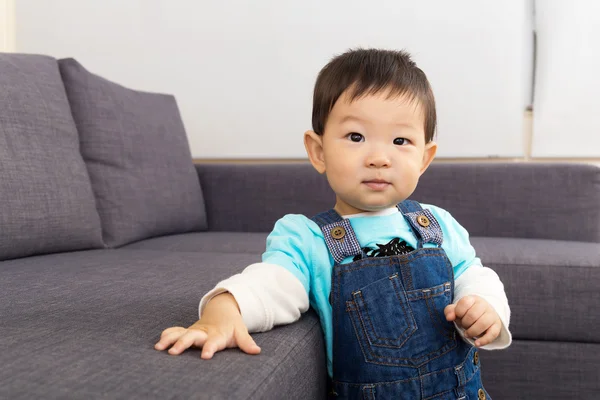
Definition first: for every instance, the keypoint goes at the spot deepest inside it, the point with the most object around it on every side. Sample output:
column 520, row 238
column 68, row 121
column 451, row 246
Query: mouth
column 377, row 184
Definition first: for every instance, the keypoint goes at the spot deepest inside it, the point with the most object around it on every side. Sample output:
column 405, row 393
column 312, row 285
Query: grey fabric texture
column 217, row 242
column 136, row 150
column 552, row 286
column 86, row 328
column 47, row 201
column 526, row 200
column 542, row 370
column 543, row 278
column 82, row 325
column 257, row 195
column 537, row 201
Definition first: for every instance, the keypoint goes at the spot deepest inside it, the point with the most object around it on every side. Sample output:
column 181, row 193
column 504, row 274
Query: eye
column 401, row 141
column 356, row 137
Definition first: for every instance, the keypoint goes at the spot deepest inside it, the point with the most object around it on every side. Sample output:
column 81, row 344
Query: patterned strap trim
column 341, row 240
column 425, row 226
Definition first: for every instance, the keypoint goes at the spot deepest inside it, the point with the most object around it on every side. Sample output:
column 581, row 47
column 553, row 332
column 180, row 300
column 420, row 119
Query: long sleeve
column 485, row 283
column 267, row 295
column 275, row 291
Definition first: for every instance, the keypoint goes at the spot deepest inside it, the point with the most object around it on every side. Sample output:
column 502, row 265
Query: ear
column 428, row 155
column 314, row 148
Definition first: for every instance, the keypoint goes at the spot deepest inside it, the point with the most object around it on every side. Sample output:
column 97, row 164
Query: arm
column 481, row 309
column 267, row 295
column 264, row 294
column 220, row 327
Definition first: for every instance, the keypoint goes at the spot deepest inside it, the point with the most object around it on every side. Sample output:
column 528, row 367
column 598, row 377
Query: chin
column 376, row 207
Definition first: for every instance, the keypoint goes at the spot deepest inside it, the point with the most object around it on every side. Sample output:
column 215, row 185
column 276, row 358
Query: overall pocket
column 399, row 328
column 382, row 318
column 436, row 334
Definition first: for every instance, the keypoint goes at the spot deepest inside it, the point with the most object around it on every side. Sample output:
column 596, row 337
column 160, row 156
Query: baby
column 402, row 298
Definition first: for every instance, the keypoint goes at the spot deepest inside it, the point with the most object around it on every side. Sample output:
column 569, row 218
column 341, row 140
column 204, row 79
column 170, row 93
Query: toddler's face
column 374, row 151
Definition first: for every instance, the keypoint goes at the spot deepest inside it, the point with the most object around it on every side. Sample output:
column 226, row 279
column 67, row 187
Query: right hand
column 220, row 327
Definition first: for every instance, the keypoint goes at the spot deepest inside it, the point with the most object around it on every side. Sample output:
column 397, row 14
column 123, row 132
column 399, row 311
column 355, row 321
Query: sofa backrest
column 528, row 200
column 46, row 199
column 558, row 201
column 137, row 153
column 86, row 163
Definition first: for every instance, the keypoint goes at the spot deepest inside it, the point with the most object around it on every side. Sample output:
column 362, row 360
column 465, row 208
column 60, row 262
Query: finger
column 463, row 305
column 169, row 336
column 246, row 343
column 490, row 335
column 481, row 325
column 449, row 312
column 473, row 314
column 171, row 329
column 458, row 322
column 193, row 337
column 215, row 342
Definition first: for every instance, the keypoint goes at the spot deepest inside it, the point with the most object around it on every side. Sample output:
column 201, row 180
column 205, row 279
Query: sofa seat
column 217, row 242
column 564, row 275
column 83, row 325
column 552, row 286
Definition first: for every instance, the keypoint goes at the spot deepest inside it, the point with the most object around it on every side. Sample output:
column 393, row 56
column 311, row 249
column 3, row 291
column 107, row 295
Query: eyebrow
column 357, row 119
column 351, row 118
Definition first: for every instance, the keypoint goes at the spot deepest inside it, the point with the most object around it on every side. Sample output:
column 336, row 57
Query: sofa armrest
column 522, row 200
column 526, row 200
column 252, row 197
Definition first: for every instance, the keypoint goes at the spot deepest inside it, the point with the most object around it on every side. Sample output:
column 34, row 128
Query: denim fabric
column 390, row 335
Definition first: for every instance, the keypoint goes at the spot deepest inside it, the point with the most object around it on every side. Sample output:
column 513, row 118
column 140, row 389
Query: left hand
column 477, row 317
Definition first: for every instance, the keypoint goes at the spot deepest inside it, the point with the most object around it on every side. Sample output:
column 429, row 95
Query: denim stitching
column 369, row 392
column 376, row 262
column 367, row 317
column 373, row 358
column 434, row 291
column 435, row 320
column 376, row 359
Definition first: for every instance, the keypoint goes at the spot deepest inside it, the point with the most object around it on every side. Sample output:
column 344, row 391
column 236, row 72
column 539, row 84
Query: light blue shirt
column 297, row 244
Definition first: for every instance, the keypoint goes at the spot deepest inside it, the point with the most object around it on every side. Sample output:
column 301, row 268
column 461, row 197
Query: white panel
column 567, row 81
column 243, row 71
column 7, row 25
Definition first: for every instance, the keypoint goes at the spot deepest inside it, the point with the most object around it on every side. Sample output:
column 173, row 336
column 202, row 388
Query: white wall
column 243, row 71
column 567, row 90
column 7, row 28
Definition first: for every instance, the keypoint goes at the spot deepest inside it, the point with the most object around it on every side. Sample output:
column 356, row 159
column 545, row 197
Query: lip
column 377, row 184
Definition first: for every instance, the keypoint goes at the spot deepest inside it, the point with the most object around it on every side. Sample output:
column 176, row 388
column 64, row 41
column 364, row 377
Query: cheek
column 339, row 163
column 341, row 175
column 410, row 176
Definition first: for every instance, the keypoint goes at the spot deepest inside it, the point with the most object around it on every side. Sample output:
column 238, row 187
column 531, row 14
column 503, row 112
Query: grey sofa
column 109, row 234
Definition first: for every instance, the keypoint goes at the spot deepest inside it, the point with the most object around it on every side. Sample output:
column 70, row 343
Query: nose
column 378, row 159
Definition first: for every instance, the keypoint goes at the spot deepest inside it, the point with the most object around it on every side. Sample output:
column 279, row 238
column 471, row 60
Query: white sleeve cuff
column 251, row 308
column 485, row 283
column 267, row 295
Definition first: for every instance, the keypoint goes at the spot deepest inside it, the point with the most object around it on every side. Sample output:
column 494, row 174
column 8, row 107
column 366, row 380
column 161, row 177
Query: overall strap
column 339, row 235
column 424, row 225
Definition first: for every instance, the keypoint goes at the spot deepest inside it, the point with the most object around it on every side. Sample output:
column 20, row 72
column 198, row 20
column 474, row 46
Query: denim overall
column 391, row 339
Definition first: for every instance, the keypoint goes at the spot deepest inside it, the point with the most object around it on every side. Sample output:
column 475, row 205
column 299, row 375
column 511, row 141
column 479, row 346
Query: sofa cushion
column 138, row 157
column 543, row 278
column 47, row 201
column 551, row 285
column 531, row 369
column 556, row 201
column 216, row 242
column 86, row 328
